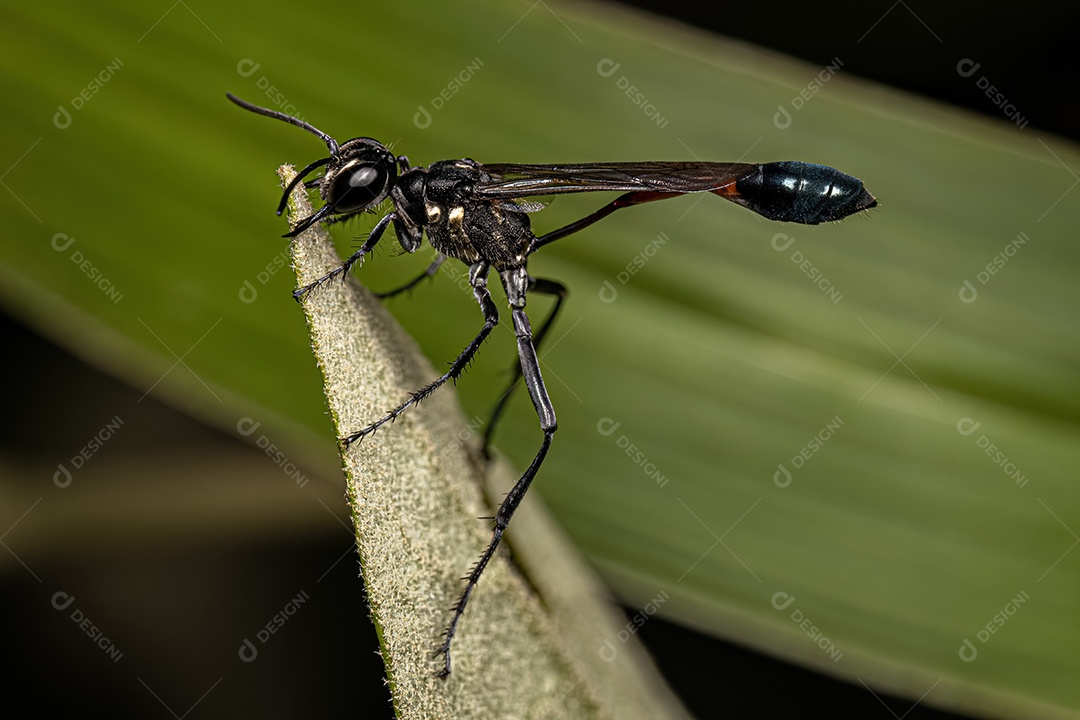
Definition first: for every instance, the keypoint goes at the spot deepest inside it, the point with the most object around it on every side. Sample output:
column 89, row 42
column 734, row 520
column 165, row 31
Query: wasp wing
column 514, row 180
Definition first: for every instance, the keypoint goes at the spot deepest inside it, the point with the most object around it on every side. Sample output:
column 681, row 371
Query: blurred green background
column 852, row 446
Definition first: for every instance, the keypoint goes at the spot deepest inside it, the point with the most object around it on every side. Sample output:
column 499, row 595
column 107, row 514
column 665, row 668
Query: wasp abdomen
column 793, row 191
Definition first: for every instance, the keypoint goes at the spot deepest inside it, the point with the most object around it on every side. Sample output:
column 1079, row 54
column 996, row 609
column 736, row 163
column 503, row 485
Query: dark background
column 1027, row 52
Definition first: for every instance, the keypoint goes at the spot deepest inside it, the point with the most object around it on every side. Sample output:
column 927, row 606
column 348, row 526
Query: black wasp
column 472, row 212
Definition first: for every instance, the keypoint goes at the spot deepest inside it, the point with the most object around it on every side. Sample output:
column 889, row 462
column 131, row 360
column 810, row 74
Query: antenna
column 330, row 142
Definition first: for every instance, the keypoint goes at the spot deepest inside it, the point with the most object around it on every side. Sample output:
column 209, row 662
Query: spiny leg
column 515, row 282
column 502, row 519
column 552, row 287
column 369, row 245
column 430, row 272
column 546, row 287
column 478, row 280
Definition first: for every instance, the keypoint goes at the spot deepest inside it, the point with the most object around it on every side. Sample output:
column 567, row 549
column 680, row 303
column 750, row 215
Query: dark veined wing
column 514, row 180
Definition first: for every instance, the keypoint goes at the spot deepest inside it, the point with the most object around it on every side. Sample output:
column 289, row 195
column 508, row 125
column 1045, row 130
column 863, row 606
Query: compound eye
column 357, row 188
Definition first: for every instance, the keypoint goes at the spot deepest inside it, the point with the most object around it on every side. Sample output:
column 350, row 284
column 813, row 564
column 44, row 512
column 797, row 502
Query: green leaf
column 913, row 369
